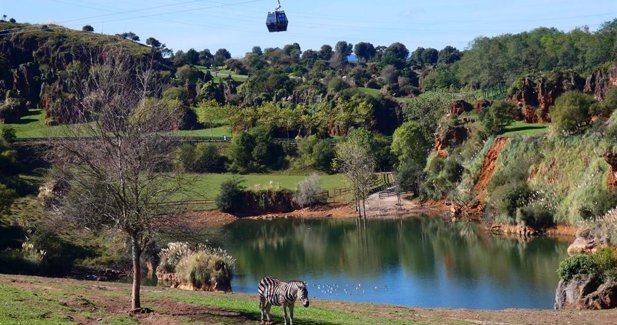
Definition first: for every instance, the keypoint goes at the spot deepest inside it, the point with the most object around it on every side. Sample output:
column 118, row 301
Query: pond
column 418, row 261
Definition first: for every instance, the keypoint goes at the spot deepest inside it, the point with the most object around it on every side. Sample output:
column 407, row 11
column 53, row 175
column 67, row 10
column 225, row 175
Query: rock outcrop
column 482, row 105
column 586, row 292
column 458, row 107
column 611, row 159
column 453, row 136
column 588, row 241
column 534, row 96
column 600, row 81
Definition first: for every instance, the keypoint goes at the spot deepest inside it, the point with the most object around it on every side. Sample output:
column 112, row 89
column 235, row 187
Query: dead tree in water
column 114, row 170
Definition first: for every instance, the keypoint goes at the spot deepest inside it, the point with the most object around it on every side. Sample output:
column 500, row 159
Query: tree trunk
column 357, row 198
column 364, row 207
column 135, row 295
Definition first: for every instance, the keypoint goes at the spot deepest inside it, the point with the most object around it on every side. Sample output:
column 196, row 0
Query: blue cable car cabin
column 277, row 21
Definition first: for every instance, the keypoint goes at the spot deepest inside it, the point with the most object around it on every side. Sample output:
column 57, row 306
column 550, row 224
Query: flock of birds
column 347, row 289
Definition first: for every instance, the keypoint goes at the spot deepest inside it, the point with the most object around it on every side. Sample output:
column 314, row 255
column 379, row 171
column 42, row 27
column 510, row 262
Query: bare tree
column 354, row 160
column 113, row 158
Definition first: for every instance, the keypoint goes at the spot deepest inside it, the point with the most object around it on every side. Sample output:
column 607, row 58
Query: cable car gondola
column 277, row 20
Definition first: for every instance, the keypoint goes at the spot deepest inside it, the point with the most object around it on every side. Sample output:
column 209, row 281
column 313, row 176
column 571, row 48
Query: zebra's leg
column 262, row 304
column 285, row 312
column 268, row 306
column 291, row 314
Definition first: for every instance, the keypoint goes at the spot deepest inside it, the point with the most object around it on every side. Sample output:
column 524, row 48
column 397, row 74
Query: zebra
column 276, row 292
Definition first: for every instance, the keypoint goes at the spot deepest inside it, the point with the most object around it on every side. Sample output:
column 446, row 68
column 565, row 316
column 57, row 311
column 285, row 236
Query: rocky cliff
column 534, row 95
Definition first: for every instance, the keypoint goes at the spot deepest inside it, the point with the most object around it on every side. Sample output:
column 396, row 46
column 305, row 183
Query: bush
column 309, row 192
column 576, row 265
column 601, row 265
column 570, row 115
column 314, row 153
column 205, row 270
column 230, row 196
column 507, row 198
column 185, row 157
column 597, row 203
column 536, row 217
column 442, row 176
column 255, row 151
column 498, row 116
column 208, row 159
column 172, row 255
column 606, row 260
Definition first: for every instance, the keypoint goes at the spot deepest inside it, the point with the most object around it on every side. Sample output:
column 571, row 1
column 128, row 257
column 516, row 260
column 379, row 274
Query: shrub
column 606, row 261
column 204, row 269
column 230, row 196
column 507, row 198
column 570, row 115
column 185, row 157
column 534, row 216
column 601, row 265
column 208, row 159
column 575, row 265
column 314, row 153
column 309, row 192
column 171, row 256
column 498, row 116
column 442, row 176
column 597, row 203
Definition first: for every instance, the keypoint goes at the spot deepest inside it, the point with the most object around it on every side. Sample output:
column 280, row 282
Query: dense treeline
column 501, row 60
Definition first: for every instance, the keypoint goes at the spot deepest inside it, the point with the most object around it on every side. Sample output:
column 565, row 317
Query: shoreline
column 383, row 209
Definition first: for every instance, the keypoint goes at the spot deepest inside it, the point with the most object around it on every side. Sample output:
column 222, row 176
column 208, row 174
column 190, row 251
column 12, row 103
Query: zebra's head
column 303, row 294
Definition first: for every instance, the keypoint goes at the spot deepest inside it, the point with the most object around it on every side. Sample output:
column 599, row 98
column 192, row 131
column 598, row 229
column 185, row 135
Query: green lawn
column 369, row 91
column 526, row 129
column 206, row 132
column 206, row 186
column 223, row 74
column 33, row 126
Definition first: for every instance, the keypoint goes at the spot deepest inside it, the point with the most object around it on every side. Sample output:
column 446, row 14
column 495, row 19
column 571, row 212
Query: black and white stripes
column 278, row 293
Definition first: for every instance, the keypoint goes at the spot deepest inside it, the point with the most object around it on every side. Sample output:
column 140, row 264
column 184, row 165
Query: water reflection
column 413, row 261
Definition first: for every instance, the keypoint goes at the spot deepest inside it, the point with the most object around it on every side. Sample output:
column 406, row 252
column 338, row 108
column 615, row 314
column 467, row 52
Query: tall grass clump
column 199, row 267
column 206, row 269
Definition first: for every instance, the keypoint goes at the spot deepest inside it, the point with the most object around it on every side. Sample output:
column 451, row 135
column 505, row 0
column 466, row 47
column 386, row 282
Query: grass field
column 525, row 129
column 220, row 74
column 206, row 186
column 33, row 126
column 206, row 132
column 369, row 91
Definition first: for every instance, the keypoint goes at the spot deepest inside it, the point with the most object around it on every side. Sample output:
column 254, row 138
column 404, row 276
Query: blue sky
column 238, row 25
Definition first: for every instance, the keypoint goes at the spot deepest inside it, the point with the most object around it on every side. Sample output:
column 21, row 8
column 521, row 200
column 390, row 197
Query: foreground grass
column 34, row 300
